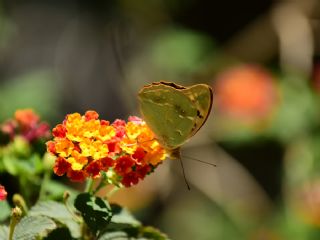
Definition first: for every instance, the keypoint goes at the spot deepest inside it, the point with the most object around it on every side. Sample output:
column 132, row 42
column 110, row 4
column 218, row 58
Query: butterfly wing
column 202, row 97
column 174, row 113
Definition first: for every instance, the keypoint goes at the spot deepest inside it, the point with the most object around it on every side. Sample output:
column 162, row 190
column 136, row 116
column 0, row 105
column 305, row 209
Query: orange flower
column 63, row 147
column 26, row 117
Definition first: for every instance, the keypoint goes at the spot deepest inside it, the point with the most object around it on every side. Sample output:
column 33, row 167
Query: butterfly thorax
column 174, row 153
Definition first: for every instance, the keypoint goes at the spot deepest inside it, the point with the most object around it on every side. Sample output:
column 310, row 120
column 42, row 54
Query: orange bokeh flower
column 85, row 146
column 246, row 92
column 26, row 117
column 26, row 123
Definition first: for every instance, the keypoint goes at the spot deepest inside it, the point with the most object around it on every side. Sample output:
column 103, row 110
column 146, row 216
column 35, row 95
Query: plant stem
column 43, row 187
column 98, row 188
column 89, row 185
column 112, row 191
column 15, row 218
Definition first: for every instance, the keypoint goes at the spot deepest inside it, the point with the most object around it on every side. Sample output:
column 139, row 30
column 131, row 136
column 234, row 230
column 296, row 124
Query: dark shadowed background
column 260, row 57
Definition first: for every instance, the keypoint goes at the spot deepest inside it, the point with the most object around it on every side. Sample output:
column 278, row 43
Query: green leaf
column 59, row 233
column 146, row 233
column 115, row 236
column 55, row 190
column 178, row 52
column 9, row 164
column 29, row 167
column 30, row 228
column 122, row 218
column 95, row 211
column 153, row 233
column 4, row 232
column 59, row 213
column 5, row 210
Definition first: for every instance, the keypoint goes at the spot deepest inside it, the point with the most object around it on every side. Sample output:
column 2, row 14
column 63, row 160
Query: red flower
column 61, row 166
column 77, row 176
column 3, row 193
column 130, row 179
column 104, row 123
column 51, row 147
column 36, row 132
column 106, row 163
column 139, row 154
column 94, row 168
column 113, row 147
column 59, row 131
column 143, row 171
column 124, row 165
column 91, row 115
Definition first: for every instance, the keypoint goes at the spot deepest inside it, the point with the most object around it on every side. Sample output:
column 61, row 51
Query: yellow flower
column 106, row 132
column 77, row 161
column 156, row 156
column 74, row 125
column 128, row 145
column 63, row 147
column 93, row 148
column 91, row 128
column 133, row 130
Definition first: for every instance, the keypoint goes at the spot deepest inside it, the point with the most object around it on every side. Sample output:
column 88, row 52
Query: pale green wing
column 175, row 113
column 169, row 113
column 201, row 95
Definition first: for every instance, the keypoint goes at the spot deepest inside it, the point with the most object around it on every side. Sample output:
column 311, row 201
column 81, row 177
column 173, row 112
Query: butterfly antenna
column 195, row 159
column 184, row 174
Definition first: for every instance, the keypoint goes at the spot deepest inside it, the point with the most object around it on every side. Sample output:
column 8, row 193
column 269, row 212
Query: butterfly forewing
column 201, row 95
column 175, row 113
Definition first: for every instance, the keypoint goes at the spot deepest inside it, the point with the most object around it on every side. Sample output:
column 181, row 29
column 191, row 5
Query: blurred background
column 260, row 57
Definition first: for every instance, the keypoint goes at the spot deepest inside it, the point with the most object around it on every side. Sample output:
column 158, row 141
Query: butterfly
column 175, row 113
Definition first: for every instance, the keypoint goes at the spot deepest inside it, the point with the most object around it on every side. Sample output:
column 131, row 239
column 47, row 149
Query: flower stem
column 98, row 188
column 15, row 218
column 112, row 191
column 89, row 185
column 19, row 201
column 43, row 187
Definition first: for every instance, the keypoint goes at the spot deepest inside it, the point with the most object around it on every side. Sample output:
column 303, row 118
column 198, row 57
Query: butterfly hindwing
column 175, row 113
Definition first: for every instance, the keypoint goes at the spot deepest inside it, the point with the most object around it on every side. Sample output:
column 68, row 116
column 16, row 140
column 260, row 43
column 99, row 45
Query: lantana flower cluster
column 26, row 123
column 88, row 147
